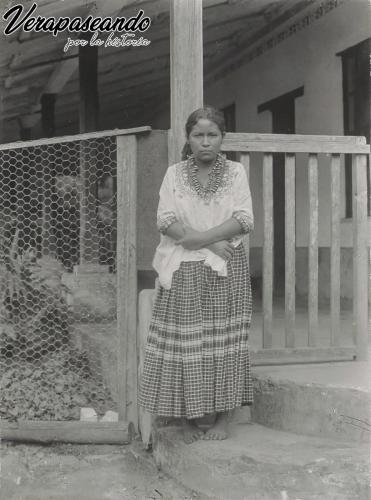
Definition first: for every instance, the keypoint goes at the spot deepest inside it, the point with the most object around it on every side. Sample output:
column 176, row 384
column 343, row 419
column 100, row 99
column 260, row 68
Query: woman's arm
column 224, row 231
column 194, row 240
column 175, row 231
column 241, row 222
column 167, row 221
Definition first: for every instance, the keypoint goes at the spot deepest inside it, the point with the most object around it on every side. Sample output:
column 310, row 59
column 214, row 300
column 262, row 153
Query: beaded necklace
column 213, row 183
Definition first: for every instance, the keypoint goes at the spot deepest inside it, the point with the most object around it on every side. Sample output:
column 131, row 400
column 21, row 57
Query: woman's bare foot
column 219, row 430
column 191, row 432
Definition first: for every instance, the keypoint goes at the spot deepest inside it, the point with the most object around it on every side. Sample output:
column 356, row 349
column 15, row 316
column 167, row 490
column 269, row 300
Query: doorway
column 283, row 122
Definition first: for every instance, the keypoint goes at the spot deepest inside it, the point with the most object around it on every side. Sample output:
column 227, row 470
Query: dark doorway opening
column 229, row 113
column 283, row 122
column 356, row 106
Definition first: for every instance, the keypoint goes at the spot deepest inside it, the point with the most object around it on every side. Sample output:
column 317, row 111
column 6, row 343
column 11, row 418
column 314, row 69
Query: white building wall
column 307, row 59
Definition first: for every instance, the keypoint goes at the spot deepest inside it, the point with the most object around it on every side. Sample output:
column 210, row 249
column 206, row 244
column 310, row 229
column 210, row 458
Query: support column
column 47, row 177
column 48, row 114
column 1, row 118
column 186, row 69
column 89, row 109
column 89, row 102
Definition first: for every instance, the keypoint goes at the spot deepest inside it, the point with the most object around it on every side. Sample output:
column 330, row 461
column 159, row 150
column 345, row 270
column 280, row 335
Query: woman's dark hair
column 208, row 113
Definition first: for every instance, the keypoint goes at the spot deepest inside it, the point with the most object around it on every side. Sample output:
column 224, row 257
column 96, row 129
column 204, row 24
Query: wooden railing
column 267, row 144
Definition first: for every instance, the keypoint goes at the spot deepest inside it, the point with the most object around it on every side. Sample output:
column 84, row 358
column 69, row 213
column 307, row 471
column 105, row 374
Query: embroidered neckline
column 214, row 181
column 220, row 180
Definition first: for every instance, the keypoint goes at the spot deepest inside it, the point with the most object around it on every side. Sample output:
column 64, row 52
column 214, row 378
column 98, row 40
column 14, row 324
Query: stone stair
column 314, row 442
column 258, row 463
column 328, row 400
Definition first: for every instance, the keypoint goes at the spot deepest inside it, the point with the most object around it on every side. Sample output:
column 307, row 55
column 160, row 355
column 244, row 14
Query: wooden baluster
column 267, row 249
column 360, row 261
column 335, row 250
column 145, row 306
column 245, row 160
column 290, row 250
column 313, row 250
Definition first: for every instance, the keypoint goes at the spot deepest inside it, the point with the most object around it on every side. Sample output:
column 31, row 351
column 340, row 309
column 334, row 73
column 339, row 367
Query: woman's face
column 205, row 140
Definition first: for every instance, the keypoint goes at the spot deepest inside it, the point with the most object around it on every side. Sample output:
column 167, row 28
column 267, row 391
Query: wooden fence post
column 335, row 250
column 267, row 249
column 360, row 263
column 127, row 278
column 245, row 160
column 313, row 250
column 290, row 249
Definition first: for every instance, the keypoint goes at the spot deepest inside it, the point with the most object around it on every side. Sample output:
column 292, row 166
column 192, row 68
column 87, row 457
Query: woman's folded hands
column 195, row 240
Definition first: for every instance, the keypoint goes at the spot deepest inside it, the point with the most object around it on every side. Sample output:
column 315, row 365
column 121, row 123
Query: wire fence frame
column 125, row 144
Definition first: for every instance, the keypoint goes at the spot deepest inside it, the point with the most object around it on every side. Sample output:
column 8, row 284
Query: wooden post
column 360, row 262
column 127, row 278
column 267, row 249
column 47, row 114
column 88, row 74
column 313, row 250
column 48, row 176
column 245, row 160
column 290, row 249
column 1, row 118
column 186, row 69
column 335, row 249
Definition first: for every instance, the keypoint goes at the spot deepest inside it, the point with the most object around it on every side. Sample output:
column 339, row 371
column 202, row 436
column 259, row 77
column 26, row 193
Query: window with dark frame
column 356, row 105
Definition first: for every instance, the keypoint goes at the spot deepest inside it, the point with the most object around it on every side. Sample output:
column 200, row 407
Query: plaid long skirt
column 197, row 355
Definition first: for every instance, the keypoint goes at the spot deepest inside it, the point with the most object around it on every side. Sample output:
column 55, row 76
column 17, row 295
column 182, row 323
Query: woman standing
column 197, row 359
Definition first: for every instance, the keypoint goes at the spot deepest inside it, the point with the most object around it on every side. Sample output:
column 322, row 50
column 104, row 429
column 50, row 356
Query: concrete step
column 258, row 463
column 330, row 399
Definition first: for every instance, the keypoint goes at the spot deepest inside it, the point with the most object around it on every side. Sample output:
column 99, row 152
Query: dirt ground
column 84, row 472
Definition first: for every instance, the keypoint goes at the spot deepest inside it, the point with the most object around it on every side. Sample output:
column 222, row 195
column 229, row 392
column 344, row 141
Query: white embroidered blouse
column 183, row 199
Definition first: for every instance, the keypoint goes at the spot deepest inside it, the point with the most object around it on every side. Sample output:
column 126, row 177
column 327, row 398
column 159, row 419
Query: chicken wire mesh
column 57, row 279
